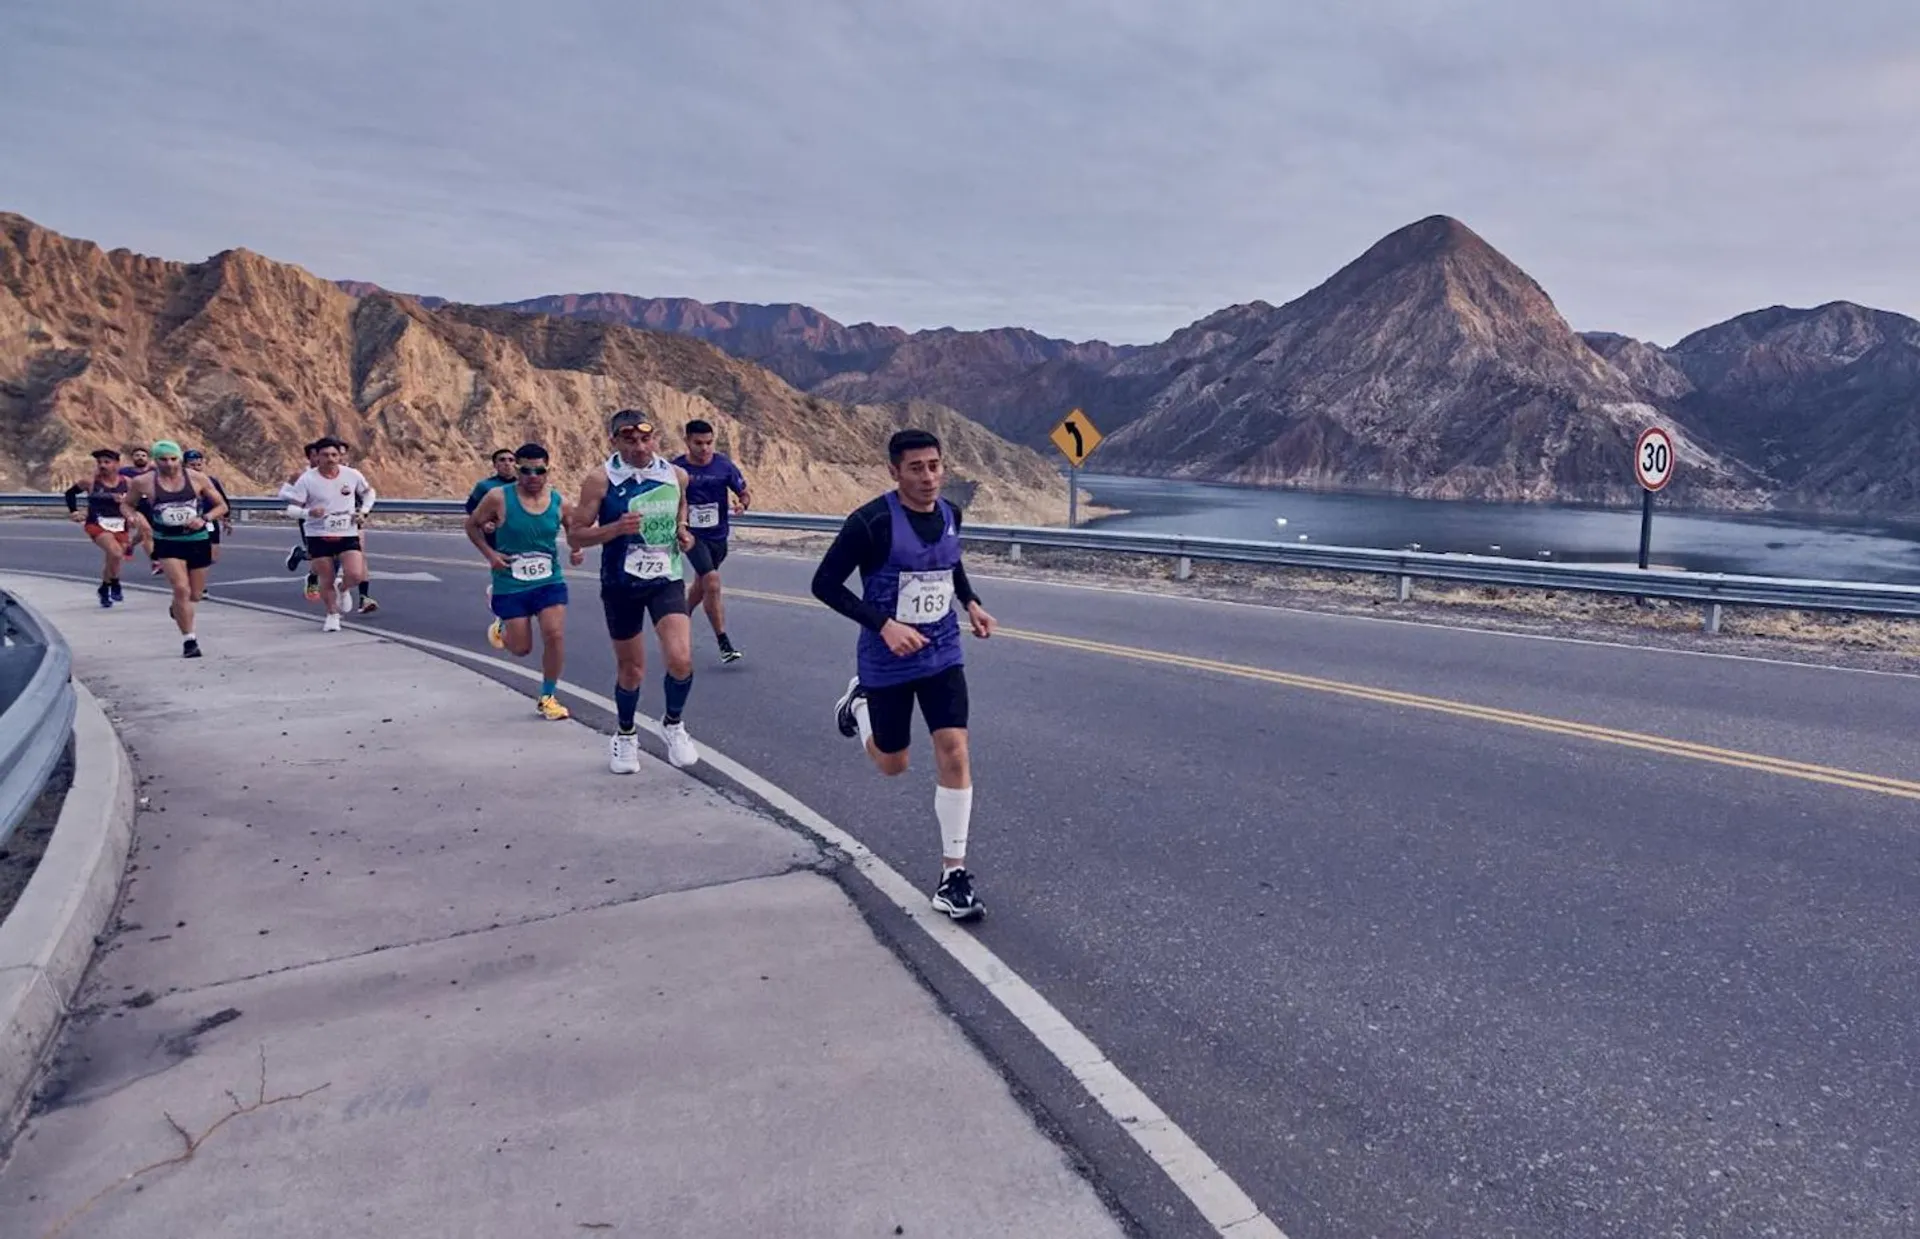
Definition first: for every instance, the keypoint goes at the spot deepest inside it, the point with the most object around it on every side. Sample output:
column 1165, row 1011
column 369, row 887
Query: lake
column 1763, row 545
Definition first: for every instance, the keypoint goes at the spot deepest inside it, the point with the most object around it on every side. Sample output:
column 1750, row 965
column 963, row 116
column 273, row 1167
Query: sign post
column 1653, row 468
column 1076, row 437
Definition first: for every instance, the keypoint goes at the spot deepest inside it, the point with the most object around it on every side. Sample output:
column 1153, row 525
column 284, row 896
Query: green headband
column 165, row 447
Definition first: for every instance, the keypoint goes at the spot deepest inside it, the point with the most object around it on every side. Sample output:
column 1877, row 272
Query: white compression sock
column 954, row 807
column 861, row 720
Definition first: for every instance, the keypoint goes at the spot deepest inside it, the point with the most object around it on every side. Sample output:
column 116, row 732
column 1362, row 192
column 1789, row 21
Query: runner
column 906, row 545
column 713, row 485
column 332, row 501
column 298, row 555
column 104, row 522
column 142, row 463
column 523, row 550
column 367, row 605
column 179, row 503
column 503, row 475
column 197, row 459
column 634, row 508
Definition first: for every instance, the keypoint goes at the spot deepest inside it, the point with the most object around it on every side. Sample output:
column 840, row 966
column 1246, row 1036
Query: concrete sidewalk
column 535, row 998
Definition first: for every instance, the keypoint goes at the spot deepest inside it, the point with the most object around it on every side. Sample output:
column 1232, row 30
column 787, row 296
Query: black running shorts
column 213, row 532
column 943, row 704
column 707, row 556
column 197, row 553
column 331, row 548
column 627, row 609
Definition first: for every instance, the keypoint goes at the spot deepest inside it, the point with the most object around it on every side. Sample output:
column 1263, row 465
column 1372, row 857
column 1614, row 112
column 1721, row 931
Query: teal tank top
column 529, row 541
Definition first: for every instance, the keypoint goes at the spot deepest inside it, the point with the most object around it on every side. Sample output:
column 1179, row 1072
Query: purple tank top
column 914, row 586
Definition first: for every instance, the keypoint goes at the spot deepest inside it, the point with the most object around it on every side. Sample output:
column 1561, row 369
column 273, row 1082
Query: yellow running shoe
column 550, row 707
column 497, row 635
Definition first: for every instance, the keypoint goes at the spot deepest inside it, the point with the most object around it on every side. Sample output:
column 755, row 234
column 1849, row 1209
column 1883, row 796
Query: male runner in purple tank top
column 906, row 545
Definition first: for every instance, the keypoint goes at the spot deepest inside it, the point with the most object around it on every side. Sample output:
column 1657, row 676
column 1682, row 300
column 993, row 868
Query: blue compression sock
column 677, row 691
column 627, row 702
column 549, row 687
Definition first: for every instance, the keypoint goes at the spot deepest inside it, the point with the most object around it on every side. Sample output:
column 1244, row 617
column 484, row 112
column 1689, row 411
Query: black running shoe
column 190, row 649
column 843, row 708
column 296, row 557
column 955, row 897
column 727, row 653
column 106, row 595
column 114, row 588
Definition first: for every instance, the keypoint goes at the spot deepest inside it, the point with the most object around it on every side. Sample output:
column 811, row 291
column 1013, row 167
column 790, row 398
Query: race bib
column 175, row 515
column 338, row 523
column 648, row 562
column 925, row 597
column 113, row 524
column 703, row 516
column 531, row 567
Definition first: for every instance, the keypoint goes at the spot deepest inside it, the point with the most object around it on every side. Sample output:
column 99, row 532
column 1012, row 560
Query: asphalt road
column 1417, row 931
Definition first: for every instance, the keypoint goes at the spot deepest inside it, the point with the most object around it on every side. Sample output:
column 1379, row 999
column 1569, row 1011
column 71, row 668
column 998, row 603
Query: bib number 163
column 924, row 597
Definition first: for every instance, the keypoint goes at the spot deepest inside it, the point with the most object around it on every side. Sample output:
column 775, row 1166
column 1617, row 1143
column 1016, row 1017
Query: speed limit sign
column 1653, row 458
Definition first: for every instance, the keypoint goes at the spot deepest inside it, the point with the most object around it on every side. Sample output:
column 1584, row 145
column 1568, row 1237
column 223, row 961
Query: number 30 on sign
column 1653, row 458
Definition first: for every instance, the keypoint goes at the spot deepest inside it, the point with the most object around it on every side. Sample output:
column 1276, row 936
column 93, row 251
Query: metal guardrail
column 1711, row 589
column 36, row 708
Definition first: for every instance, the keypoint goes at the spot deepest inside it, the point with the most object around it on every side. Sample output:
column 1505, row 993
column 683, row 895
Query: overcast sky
column 1111, row 168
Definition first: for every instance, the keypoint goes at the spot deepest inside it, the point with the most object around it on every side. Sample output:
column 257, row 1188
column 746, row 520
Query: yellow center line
column 1883, row 784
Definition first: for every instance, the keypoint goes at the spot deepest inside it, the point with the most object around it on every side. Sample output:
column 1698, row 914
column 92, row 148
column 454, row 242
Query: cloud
column 1112, row 168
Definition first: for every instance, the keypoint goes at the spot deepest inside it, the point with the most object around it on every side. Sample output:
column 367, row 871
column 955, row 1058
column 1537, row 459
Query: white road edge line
column 1220, row 1200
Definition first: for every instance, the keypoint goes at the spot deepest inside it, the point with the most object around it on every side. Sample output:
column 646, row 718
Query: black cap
column 105, row 453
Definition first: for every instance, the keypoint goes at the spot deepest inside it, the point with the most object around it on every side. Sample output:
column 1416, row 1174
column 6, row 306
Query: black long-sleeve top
column 864, row 542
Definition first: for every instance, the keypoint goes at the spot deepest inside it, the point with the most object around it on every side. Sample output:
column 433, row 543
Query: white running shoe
column 680, row 750
column 624, row 753
column 331, row 623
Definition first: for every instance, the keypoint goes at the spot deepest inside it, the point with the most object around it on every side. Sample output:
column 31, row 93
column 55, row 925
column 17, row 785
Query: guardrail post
column 1406, row 587
column 1183, row 568
column 1013, row 552
column 1712, row 624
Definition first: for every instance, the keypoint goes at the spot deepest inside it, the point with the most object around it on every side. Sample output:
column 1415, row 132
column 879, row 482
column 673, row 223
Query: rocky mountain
column 861, row 363
column 250, row 358
column 1824, row 401
column 1429, row 366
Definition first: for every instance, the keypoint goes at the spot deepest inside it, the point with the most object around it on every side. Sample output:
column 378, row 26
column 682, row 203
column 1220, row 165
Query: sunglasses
column 634, row 432
column 534, row 471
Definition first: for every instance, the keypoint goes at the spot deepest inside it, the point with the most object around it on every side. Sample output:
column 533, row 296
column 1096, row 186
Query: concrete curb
column 48, row 940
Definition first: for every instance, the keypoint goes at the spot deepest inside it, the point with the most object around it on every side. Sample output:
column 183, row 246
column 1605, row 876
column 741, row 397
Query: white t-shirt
column 340, row 495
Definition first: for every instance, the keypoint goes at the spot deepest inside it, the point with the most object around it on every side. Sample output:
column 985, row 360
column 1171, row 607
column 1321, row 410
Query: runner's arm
column 962, row 587
column 130, row 502
column 475, row 525
column 584, row 524
column 854, row 547
column 216, row 501
column 738, row 484
column 73, row 494
column 364, row 495
column 480, row 491
column 683, row 533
